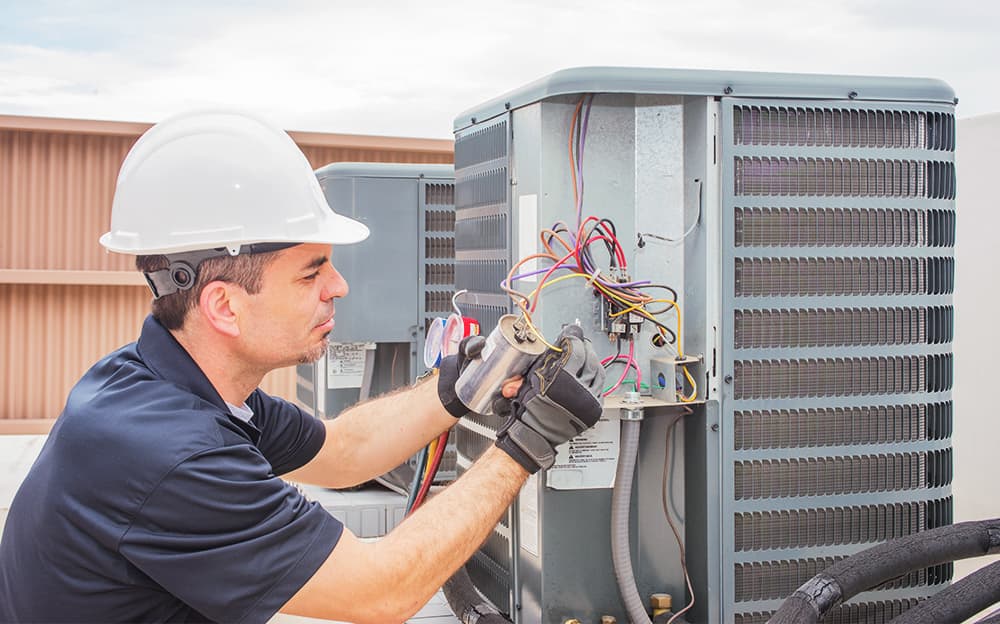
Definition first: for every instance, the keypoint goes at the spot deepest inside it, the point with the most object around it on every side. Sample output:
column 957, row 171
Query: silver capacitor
column 510, row 349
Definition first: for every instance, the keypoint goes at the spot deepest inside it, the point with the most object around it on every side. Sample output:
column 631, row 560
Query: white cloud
column 396, row 67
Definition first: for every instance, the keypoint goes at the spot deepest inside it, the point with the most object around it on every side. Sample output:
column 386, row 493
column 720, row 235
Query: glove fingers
column 576, row 355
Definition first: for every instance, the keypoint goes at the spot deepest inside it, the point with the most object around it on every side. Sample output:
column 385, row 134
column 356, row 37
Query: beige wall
column 64, row 301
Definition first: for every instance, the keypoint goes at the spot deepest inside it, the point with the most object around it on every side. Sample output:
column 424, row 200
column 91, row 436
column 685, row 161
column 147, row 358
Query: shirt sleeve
column 289, row 438
column 224, row 535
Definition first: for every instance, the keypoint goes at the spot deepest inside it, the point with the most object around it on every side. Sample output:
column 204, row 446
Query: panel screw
column 728, row 379
column 506, row 105
column 473, row 120
column 727, row 90
column 715, row 427
column 852, row 95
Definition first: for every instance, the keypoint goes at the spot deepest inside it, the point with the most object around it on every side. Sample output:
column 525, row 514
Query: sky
column 400, row 68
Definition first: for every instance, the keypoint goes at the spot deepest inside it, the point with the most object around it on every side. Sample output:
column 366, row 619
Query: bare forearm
column 427, row 548
column 374, row 437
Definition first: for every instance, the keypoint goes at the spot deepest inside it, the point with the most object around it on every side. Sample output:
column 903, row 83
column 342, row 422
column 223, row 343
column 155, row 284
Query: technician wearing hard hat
column 156, row 497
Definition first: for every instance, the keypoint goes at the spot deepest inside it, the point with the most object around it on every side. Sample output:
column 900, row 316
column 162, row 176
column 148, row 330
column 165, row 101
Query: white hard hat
column 209, row 180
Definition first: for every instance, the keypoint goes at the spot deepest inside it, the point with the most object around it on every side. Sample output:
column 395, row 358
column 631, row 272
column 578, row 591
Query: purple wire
column 579, row 162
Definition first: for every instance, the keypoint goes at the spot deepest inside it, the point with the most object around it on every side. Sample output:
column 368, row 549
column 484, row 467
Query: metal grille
column 481, row 275
column 439, row 221
column 837, row 327
column 843, row 177
column 437, row 301
column 833, row 526
column 436, row 274
column 783, row 379
column 482, row 189
column 769, row 580
column 439, row 195
column 824, row 476
column 939, row 420
column 439, row 247
column 804, row 277
column 477, row 233
column 481, row 146
column 837, row 127
column 837, row 227
column 490, row 577
column 878, row 612
column 834, row 426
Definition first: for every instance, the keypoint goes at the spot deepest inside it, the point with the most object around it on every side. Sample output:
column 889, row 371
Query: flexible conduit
column 621, row 498
column 874, row 566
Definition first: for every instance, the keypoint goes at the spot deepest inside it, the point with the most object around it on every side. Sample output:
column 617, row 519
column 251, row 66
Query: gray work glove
column 559, row 399
column 450, row 369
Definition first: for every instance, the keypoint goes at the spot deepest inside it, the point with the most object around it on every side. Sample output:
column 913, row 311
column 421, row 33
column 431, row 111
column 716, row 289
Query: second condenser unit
column 800, row 232
column 400, row 278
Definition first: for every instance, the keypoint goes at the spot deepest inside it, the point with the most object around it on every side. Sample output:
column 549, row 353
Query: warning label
column 345, row 363
column 589, row 460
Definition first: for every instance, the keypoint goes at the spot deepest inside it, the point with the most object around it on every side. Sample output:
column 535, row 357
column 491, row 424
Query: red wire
column 426, row 485
column 538, row 289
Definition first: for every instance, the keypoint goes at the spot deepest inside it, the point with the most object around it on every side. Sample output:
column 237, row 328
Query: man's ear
column 218, row 307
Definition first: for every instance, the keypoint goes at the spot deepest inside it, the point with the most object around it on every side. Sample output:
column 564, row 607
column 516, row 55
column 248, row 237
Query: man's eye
column 312, row 276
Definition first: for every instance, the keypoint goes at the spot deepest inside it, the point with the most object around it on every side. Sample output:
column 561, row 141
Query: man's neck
column 229, row 374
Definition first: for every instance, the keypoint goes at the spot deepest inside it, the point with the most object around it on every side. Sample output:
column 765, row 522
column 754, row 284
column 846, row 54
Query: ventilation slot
column 824, row 476
column 853, row 613
column 479, row 233
column 771, row 580
column 939, row 421
column 439, row 274
column 786, row 379
column 940, row 131
column 833, row 177
column 439, row 194
column 838, row 426
column 484, row 189
column 803, row 277
column 830, row 327
column 470, row 443
column 939, row 468
column 439, row 221
column 940, row 180
column 437, row 301
column 940, row 513
column 826, row 127
column 829, row 227
column 940, row 276
column 482, row 276
column 438, row 247
column 940, row 324
column 940, row 228
column 481, row 146
column 830, row 526
column 939, row 372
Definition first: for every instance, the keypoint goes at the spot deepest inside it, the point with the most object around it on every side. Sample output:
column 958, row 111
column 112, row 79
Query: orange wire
column 569, row 144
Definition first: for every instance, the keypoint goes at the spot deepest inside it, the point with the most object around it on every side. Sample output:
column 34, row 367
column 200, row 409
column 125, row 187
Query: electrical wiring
column 629, row 361
column 670, row 520
column 442, row 443
column 417, row 481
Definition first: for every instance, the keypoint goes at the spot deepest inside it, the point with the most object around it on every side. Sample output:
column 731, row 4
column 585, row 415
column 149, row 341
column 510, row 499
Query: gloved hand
column 450, row 369
column 559, row 399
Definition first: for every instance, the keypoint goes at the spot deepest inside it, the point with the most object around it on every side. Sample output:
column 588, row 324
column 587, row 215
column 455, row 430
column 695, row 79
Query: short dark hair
column 245, row 270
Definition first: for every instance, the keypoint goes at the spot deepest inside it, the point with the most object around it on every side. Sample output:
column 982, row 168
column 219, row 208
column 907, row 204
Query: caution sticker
column 589, row 460
column 345, row 363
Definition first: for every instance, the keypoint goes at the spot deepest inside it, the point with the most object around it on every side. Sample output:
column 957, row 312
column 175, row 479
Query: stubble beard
column 315, row 353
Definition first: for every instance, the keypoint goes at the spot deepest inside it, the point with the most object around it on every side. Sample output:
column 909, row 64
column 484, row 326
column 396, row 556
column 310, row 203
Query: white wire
column 454, row 301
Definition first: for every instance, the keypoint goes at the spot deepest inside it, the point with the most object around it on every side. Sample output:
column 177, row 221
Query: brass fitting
column 661, row 603
column 572, row 621
column 609, row 619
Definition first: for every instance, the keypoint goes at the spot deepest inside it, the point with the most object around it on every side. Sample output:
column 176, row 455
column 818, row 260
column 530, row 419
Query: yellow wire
column 431, row 449
column 694, row 388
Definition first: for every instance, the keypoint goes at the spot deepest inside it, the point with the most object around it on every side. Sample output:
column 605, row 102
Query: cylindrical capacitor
column 509, row 351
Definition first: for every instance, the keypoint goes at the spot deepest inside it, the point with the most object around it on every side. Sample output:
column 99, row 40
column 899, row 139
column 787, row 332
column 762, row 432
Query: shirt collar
column 167, row 358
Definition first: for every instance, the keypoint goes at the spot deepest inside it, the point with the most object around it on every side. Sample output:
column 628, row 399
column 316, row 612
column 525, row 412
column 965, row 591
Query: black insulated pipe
column 878, row 564
column 466, row 602
column 959, row 601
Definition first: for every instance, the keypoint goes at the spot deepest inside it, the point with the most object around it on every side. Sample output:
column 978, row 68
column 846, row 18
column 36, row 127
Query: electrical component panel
column 805, row 225
column 400, row 278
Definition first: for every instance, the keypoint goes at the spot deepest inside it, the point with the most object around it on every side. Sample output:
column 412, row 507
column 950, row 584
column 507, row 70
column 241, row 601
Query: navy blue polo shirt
column 151, row 502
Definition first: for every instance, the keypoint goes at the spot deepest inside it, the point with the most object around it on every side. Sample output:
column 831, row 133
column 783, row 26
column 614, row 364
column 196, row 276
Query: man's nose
column 336, row 285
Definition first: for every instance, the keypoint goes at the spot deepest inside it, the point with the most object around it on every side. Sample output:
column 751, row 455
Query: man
column 157, row 497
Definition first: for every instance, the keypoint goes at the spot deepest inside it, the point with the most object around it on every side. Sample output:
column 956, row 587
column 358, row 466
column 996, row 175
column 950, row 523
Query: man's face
column 289, row 320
